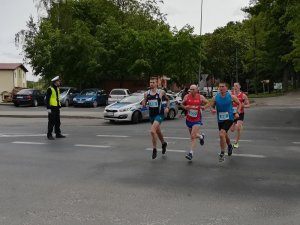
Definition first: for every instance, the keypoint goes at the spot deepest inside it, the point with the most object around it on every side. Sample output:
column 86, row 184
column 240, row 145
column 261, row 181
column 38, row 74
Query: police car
column 131, row 109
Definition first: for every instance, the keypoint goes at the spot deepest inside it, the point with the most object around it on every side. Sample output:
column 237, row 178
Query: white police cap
column 55, row 78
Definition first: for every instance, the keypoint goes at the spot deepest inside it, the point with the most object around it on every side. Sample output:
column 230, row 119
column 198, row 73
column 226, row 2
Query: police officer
column 53, row 108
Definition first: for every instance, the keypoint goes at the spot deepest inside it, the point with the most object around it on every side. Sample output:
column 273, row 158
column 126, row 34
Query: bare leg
column 154, row 133
column 222, row 135
column 194, row 136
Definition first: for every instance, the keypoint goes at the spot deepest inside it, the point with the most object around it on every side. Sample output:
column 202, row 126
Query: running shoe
column 189, row 156
column 164, row 147
column 154, row 153
column 230, row 149
column 236, row 145
column 202, row 139
column 221, row 157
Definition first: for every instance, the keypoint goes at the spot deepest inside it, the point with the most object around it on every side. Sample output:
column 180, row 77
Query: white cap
column 55, row 78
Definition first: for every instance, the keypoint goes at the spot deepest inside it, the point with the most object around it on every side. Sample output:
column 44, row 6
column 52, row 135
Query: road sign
column 277, row 86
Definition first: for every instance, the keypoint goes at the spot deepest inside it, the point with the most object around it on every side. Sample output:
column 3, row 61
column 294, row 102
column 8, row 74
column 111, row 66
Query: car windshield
column 63, row 90
column 117, row 92
column 88, row 92
column 25, row 92
column 132, row 99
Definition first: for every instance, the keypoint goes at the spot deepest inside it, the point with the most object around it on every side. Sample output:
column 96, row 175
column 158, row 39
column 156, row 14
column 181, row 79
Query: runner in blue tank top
column 223, row 104
column 157, row 110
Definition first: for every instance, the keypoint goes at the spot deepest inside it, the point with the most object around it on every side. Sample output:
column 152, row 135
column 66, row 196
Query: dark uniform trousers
column 54, row 121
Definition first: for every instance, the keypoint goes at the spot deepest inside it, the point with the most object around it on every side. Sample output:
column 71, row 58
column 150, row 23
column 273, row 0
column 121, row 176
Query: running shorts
column 190, row 124
column 225, row 125
column 158, row 118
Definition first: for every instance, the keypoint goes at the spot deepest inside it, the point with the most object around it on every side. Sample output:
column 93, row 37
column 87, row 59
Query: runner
column 223, row 103
column 156, row 112
column 192, row 104
column 238, row 123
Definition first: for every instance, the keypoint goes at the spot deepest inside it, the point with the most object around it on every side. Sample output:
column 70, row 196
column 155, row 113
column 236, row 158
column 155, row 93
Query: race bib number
column 193, row 113
column 234, row 109
column 223, row 116
column 153, row 103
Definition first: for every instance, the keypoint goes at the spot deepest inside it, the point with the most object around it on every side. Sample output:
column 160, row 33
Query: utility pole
column 236, row 67
column 199, row 75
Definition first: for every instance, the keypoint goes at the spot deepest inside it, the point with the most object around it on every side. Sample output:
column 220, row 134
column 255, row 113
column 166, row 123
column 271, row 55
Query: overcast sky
column 216, row 13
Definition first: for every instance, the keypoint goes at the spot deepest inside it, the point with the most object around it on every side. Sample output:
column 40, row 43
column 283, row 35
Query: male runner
column 223, row 103
column 156, row 112
column 192, row 104
column 238, row 123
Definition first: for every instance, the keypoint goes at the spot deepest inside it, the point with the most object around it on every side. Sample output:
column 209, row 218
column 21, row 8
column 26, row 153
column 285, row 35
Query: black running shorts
column 225, row 125
column 241, row 117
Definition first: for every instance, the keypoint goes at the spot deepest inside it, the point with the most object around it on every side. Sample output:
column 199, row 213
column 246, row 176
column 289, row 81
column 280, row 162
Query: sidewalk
column 290, row 99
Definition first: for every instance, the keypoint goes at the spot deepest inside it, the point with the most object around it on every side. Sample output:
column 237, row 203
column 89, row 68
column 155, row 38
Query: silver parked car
column 130, row 109
column 117, row 94
column 67, row 94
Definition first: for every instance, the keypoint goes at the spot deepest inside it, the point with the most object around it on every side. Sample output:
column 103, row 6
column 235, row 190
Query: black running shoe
column 189, row 156
column 221, row 157
column 154, row 153
column 164, row 147
column 230, row 149
column 202, row 139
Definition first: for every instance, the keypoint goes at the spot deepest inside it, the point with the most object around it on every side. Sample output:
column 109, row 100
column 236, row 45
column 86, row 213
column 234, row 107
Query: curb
column 44, row 116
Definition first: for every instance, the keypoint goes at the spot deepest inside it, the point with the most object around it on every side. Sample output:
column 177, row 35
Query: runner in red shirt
column 238, row 123
column 193, row 103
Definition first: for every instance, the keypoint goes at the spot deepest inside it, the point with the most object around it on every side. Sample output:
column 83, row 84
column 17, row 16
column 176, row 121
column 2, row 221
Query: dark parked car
column 30, row 97
column 91, row 97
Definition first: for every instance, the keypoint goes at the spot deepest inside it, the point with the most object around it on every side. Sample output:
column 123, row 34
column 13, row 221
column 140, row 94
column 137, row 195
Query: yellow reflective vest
column 54, row 100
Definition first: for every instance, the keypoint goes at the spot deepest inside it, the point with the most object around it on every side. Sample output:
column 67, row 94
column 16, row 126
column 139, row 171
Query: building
column 12, row 76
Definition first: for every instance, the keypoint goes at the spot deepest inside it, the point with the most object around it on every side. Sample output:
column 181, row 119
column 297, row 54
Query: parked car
column 90, row 97
column 130, row 109
column 67, row 94
column 30, row 97
column 117, row 94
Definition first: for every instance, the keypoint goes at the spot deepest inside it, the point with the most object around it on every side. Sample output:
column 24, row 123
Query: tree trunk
column 285, row 78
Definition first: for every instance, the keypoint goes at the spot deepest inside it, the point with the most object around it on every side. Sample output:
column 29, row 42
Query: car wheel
column 35, row 103
column 16, row 104
column 67, row 103
column 136, row 117
column 95, row 104
column 171, row 114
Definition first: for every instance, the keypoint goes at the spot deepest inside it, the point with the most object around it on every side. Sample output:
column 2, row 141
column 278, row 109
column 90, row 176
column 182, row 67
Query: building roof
column 12, row 66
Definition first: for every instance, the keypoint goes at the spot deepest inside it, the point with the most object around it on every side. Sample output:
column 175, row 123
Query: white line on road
column 168, row 150
column 296, row 143
column 113, row 136
column 178, row 138
column 22, row 135
column 243, row 140
column 238, row 155
column 92, row 146
column 28, row 143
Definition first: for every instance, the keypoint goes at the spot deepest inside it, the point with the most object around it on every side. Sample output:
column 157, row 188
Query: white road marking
column 28, row 143
column 238, row 155
column 296, row 143
column 92, row 146
column 248, row 155
column 177, row 138
column 243, row 140
column 22, row 135
column 113, row 136
column 168, row 150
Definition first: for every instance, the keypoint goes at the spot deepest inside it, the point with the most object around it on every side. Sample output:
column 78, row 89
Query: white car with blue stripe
column 130, row 109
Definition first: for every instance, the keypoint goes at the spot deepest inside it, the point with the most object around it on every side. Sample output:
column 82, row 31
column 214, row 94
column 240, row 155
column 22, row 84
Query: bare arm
column 204, row 102
column 144, row 102
column 246, row 102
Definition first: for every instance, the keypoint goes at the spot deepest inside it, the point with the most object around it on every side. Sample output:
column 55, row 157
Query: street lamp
column 199, row 76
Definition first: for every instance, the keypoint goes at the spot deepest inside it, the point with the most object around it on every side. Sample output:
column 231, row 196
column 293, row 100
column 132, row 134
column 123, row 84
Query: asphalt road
column 102, row 173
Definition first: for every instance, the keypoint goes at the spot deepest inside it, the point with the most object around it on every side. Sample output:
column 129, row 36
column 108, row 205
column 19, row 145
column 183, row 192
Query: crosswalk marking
column 112, row 136
column 92, row 146
column 168, row 150
column 22, row 135
column 296, row 143
column 28, row 143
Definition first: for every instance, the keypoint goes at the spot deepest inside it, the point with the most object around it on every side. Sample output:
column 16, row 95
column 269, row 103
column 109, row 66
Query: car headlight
column 74, row 99
column 89, row 99
column 126, row 109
